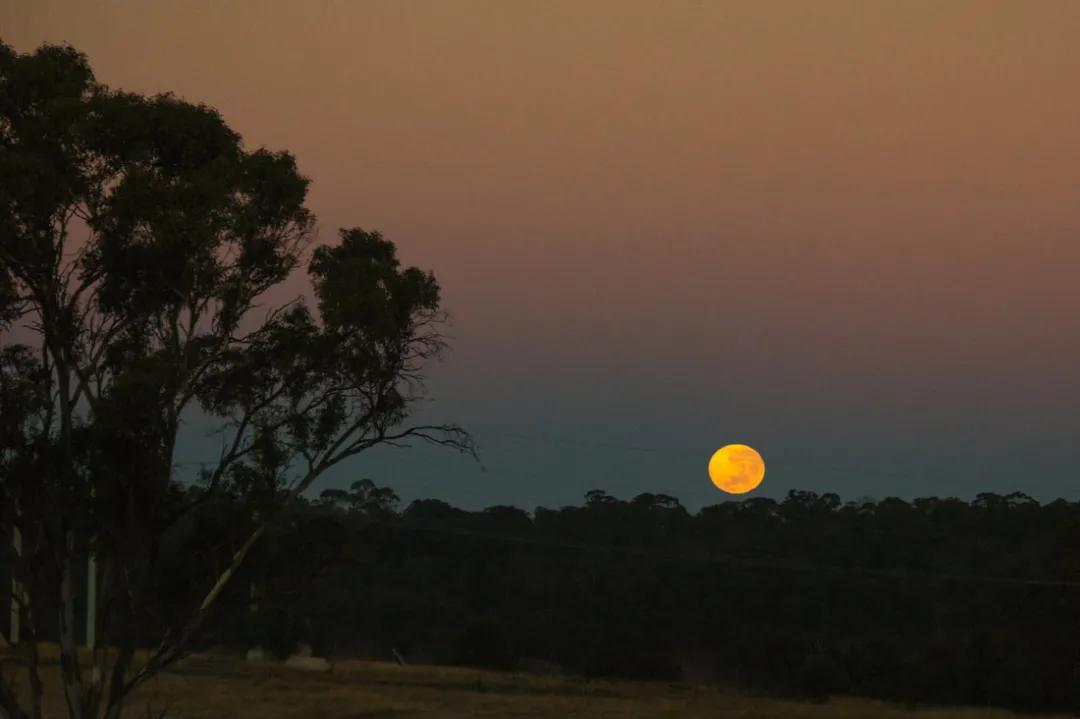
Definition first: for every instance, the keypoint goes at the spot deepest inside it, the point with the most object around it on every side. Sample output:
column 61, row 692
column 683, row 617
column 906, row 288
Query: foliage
column 137, row 239
column 933, row 601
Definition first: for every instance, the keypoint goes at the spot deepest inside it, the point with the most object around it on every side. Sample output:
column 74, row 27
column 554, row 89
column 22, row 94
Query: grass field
column 216, row 687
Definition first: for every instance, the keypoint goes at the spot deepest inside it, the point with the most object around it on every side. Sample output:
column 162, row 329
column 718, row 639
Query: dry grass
column 217, row 687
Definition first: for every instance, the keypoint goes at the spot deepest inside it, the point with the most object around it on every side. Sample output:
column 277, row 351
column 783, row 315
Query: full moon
column 736, row 469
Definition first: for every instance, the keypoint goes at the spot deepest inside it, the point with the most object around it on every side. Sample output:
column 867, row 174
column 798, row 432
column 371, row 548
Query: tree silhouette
column 913, row 601
column 137, row 236
column 365, row 498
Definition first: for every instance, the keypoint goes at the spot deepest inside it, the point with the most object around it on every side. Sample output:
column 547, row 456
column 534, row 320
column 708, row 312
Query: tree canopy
column 138, row 236
column 928, row 601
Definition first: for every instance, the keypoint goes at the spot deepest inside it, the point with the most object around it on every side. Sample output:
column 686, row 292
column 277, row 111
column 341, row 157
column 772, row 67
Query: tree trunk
column 60, row 350
column 99, row 649
column 23, row 573
column 69, row 658
column 117, row 690
column 16, row 586
column 170, row 651
column 37, row 689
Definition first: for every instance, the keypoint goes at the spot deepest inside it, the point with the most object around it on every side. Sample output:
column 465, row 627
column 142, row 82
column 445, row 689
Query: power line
column 749, row 562
column 680, row 451
column 746, row 562
column 861, row 470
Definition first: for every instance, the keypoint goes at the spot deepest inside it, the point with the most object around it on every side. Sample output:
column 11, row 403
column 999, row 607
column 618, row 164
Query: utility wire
column 696, row 452
column 748, row 562
column 732, row 560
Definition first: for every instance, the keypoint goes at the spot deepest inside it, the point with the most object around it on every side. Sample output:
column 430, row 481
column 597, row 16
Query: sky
column 842, row 232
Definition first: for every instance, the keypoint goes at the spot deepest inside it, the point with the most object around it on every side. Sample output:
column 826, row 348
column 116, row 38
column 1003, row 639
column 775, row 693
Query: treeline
column 930, row 601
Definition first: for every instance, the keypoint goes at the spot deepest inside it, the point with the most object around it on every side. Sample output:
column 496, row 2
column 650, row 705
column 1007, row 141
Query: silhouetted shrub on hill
column 484, row 643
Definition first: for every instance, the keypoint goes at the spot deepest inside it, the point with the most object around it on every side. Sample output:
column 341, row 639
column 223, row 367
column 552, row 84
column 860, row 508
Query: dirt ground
column 220, row 687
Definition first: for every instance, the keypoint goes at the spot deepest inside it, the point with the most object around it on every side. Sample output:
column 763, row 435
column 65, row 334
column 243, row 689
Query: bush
column 485, row 643
column 820, row 675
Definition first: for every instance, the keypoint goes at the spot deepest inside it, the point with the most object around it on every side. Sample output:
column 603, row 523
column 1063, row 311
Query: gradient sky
column 845, row 233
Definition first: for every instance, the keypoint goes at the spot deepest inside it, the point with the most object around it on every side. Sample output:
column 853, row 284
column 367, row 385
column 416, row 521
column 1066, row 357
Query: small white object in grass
column 310, row 664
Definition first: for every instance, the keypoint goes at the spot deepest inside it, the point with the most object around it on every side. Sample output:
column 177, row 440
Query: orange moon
column 736, row 469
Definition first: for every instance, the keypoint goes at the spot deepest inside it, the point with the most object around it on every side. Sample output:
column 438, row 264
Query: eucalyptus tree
column 138, row 241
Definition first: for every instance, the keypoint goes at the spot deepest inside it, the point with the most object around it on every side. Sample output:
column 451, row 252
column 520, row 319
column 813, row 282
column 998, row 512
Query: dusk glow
column 846, row 229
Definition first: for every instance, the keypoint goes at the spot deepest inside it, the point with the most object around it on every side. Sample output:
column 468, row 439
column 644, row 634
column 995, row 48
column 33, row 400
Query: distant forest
column 929, row 601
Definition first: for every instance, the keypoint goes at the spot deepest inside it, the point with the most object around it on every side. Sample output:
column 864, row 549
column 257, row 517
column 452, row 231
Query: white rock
column 310, row 664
